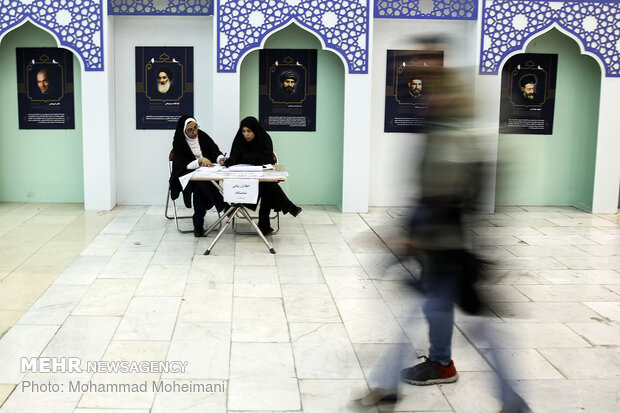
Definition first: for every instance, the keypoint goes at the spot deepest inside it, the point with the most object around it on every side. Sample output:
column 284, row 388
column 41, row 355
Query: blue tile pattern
column 77, row 24
column 161, row 7
column 341, row 25
column 441, row 9
column 507, row 25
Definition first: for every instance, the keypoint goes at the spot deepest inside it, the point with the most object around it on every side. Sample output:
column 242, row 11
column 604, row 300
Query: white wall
column 141, row 155
column 98, row 125
column 607, row 173
column 356, row 160
column 486, row 121
column 393, row 156
column 226, row 90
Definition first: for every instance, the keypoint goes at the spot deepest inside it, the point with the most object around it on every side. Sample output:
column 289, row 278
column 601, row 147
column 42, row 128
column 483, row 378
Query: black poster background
column 406, row 109
column 154, row 109
column 528, row 116
column 287, row 111
column 51, row 105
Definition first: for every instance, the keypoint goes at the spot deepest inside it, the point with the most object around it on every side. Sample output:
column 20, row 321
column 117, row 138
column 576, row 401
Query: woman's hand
column 204, row 162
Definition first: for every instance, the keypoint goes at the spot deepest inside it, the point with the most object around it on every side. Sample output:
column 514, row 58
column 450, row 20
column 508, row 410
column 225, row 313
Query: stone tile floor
column 298, row 331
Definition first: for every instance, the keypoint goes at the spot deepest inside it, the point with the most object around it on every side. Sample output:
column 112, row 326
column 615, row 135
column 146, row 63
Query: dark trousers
column 272, row 197
column 206, row 195
column 441, row 271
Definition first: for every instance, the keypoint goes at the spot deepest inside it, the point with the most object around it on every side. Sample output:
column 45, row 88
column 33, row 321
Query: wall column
column 98, row 128
column 487, row 100
column 486, row 121
column 607, row 167
column 356, row 137
column 226, row 107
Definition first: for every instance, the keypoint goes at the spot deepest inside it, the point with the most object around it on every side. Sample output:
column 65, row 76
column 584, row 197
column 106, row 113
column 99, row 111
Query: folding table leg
column 220, row 219
column 258, row 231
column 219, row 234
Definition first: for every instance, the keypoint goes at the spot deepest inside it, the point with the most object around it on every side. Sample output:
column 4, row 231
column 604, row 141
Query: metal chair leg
column 176, row 219
column 167, row 203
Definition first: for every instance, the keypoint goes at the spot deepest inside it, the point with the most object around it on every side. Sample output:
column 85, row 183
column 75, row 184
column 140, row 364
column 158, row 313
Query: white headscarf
column 194, row 145
column 187, row 121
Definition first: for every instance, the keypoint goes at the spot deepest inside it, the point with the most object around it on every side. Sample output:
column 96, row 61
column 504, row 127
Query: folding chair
column 175, row 215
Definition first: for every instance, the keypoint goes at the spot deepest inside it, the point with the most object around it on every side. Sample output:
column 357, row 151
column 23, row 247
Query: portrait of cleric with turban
column 528, row 94
column 165, row 83
column 290, row 89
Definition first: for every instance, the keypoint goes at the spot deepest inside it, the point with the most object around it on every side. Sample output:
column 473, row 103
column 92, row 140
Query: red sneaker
column 429, row 372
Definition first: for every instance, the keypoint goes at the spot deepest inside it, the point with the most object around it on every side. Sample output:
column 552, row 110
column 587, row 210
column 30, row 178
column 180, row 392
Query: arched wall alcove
column 314, row 159
column 556, row 169
column 37, row 165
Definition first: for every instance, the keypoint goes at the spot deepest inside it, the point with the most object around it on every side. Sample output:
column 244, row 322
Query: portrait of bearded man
column 165, row 77
column 289, row 87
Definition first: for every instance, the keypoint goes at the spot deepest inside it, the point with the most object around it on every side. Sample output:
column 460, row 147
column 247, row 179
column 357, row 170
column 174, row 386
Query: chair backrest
column 276, row 165
column 170, row 159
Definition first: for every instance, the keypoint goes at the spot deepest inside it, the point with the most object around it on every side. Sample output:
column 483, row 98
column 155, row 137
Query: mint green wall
column 37, row 165
column 313, row 159
column 556, row 169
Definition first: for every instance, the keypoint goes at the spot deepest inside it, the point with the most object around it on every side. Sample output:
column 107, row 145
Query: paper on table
column 225, row 173
column 216, row 167
column 245, row 168
column 185, row 179
column 240, row 174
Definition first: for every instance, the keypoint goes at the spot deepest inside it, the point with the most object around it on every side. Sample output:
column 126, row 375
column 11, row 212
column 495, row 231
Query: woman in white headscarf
column 192, row 149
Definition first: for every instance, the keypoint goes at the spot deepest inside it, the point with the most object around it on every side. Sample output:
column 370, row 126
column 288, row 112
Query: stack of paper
column 245, row 168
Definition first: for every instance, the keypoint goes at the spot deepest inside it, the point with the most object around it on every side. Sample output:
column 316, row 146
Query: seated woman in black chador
column 252, row 145
column 194, row 148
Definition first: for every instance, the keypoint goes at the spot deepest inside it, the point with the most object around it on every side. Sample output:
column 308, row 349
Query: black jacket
column 183, row 156
column 258, row 151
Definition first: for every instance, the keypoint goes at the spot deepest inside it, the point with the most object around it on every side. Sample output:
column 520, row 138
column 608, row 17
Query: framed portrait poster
column 164, row 86
column 287, row 89
column 409, row 88
column 45, row 88
column 528, row 94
